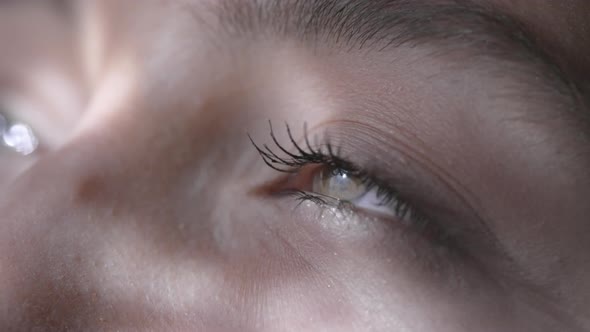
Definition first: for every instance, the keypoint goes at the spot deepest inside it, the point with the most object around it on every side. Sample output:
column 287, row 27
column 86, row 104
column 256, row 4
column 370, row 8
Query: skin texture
column 147, row 207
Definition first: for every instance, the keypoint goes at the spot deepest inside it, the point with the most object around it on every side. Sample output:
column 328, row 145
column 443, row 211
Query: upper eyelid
column 313, row 155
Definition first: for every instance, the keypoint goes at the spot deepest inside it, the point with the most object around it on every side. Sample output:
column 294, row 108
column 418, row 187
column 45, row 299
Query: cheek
column 95, row 247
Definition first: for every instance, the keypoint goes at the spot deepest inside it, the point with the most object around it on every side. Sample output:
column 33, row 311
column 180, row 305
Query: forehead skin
column 561, row 26
column 559, row 40
column 139, row 217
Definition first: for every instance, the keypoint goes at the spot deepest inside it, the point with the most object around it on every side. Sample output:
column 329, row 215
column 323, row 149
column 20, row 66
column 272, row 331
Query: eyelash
column 329, row 156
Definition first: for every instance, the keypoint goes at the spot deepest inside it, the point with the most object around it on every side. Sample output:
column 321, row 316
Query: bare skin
column 146, row 206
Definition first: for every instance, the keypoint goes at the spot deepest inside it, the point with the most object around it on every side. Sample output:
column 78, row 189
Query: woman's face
column 295, row 165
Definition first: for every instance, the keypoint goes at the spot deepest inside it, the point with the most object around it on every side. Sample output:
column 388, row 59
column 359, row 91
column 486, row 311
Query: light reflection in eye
column 18, row 137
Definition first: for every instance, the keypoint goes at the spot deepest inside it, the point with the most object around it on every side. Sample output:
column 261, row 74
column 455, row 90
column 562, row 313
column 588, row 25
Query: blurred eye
column 18, row 137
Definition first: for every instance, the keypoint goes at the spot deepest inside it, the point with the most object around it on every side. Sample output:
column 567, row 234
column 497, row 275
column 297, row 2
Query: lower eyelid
column 332, row 215
column 343, row 226
column 342, row 213
column 352, row 217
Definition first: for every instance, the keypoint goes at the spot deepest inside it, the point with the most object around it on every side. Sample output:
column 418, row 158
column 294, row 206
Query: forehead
column 560, row 29
column 555, row 34
column 556, row 30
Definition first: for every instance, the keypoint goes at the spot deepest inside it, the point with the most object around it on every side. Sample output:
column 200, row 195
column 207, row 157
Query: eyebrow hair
column 379, row 25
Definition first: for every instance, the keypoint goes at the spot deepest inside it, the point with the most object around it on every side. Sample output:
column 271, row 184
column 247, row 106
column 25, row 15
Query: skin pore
column 147, row 206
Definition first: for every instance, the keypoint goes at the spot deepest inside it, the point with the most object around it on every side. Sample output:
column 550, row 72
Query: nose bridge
column 139, row 136
column 112, row 189
column 120, row 186
column 149, row 120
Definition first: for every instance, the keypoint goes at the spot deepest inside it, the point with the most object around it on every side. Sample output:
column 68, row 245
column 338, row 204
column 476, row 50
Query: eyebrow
column 380, row 25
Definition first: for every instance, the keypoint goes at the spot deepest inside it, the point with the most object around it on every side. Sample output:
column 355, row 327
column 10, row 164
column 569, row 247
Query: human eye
column 321, row 174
